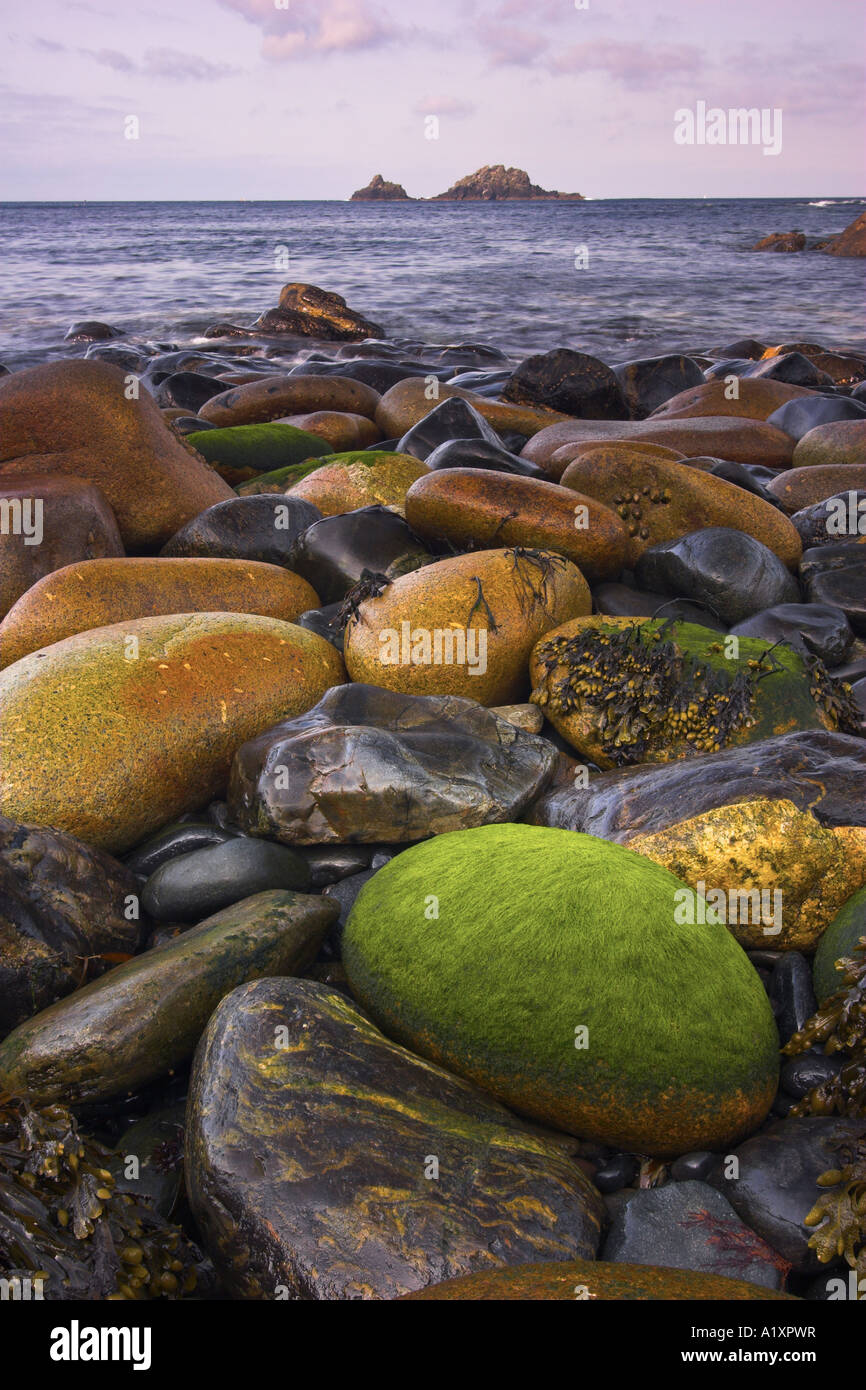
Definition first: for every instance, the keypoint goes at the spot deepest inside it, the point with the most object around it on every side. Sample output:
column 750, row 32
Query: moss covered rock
column 775, row 874
column 341, row 429
column 111, row 733
column 463, row 626
column 589, row 1280
column 549, row 968
column 633, row 690
column 839, row 941
column 242, row 452
column 360, row 478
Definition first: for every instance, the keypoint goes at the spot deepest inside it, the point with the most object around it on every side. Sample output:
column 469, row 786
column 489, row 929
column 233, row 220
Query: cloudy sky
column 310, row 98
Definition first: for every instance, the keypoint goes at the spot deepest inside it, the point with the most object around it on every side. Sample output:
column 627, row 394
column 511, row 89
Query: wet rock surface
column 282, row 1182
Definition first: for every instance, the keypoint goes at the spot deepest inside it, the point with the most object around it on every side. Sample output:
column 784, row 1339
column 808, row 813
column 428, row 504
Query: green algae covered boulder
column 585, row 1280
column 838, row 942
column 241, row 452
column 637, row 690
column 550, row 968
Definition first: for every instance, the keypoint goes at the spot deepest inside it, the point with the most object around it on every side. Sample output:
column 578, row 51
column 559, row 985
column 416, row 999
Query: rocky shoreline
column 432, row 818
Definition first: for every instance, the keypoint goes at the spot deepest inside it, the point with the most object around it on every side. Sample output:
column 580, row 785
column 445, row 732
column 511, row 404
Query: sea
column 616, row 278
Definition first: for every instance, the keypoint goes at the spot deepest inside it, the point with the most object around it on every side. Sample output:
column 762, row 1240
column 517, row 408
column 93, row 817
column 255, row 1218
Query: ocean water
column 660, row 275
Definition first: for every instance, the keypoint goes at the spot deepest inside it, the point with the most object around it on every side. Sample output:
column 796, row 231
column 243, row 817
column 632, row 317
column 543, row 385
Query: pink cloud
column 444, row 106
column 320, row 26
column 635, row 64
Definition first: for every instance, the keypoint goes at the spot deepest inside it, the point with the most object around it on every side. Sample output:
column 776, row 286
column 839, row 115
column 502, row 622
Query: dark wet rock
column 190, row 424
column 311, row 1177
column 819, row 771
column 792, row 367
column 481, row 383
column 325, row 622
column 650, row 381
column 751, row 477
column 173, row 840
column 130, row 359
column 835, row 574
column 777, row 1181
column 368, row 765
column 807, row 627
column 144, row 1018
column 570, row 382
column 803, row 414
column 264, row 527
column 480, row 453
column 329, row 864
column 692, row 1167
column 344, row 893
column 453, row 419
column 781, row 241
column 851, row 241
column 196, row 885
column 187, row 390
column 734, row 574
column 91, row 331
column 380, row 375
column 310, row 312
column 333, row 554
column 623, row 601
column 65, row 910
column 748, row 348
column 829, row 522
column 616, row 1172
column 792, row 994
column 689, row 1225
column 156, row 1143
column 800, row 1075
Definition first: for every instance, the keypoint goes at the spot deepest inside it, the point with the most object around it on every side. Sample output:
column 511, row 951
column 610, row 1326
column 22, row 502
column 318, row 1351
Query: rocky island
column 494, row 183
column 379, row 190
column 491, row 184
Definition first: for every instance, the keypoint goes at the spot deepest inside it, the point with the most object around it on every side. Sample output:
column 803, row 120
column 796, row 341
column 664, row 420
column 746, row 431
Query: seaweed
column 834, row 697
column 63, row 1222
column 839, row 1215
column 370, row 585
column 532, row 570
column 647, row 691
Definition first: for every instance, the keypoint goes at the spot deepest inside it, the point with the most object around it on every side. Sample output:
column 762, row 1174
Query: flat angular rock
column 369, row 765
column 455, row 418
column 807, row 627
column 650, row 381
column 310, row 1165
column 819, row 771
column 62, row 917
column 332, row 554
column 195, row 885
column 689, row 1225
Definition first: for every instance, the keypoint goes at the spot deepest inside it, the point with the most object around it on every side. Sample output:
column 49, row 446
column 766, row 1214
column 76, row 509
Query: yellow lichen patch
column 772, row 873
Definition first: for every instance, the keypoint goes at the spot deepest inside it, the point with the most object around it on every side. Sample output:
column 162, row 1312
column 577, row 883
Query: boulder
column 471, row 508
column 797, row 488
column 735, row 574
column 144, row 1018
column 818, row 771
column 570, row 382
column 326, row 1163
column 77, row 419
column 48, row 523
column 335, row 552
column 309, row 312
column 369, row 765
column 271, row 397
column 720, row 436
column 659, row 500
column 65, row 917
column 650, row 381
column 243, row 452
column 626, row 690
column 405, row 404
column 464, row 626
column 566, row 988
column 264, row 527
column 774, row 874
column 112, row 732
column 753, row 399
column 838, row 442
column 851, row 241
column 581, row 1280
column 346, row 482
column 840, row 940
column 98, row 593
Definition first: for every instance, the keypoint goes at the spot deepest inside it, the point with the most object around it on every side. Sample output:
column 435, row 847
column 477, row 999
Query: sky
column 307, row 99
